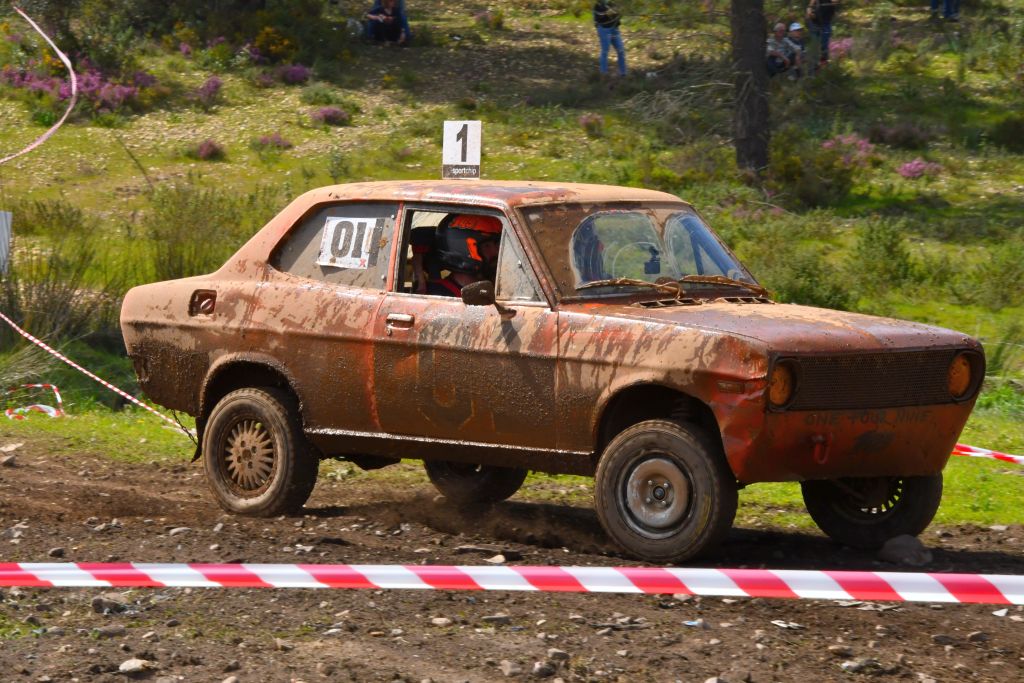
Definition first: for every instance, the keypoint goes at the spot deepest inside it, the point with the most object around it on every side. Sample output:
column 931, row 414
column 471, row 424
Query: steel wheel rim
column 656, row 495
column 250, row 457
column 847, row 505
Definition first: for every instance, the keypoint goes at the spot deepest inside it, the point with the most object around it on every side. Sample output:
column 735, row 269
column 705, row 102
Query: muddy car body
column 620, row 339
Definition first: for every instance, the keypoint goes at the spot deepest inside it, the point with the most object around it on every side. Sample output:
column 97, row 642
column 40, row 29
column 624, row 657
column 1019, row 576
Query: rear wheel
column 867, row 512
column 256, row 458
column 466, row 484
column 664, row 492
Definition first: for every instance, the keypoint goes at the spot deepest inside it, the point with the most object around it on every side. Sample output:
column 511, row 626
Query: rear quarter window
column 345, row 244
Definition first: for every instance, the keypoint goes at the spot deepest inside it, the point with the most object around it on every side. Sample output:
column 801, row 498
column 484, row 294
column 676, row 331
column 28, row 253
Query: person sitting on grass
column 798, row 48
column 779, row 51
column 386, row 21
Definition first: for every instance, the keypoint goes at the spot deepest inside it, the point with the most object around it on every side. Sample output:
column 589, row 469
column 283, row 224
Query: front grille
column 891, row 379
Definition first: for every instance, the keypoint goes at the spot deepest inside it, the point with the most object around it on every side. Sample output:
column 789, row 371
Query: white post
column 5, row 240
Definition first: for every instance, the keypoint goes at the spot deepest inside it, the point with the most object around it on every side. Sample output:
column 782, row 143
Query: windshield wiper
column 723, row 280
column 673, row 288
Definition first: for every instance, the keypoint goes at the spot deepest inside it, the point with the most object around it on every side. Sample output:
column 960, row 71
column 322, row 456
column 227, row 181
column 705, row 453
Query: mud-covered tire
column 660, row 523
column 465, row 484
column 865, row 513
column 256, row 458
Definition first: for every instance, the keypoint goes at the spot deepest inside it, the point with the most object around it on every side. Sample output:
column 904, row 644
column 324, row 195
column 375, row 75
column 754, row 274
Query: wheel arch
column 238, row 373
column 650, row 401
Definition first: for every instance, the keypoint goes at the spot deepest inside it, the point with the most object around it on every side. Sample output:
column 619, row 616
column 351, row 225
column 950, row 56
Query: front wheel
column 867, row 512
column 465, row 484
column 664, row 492
column 256, row 457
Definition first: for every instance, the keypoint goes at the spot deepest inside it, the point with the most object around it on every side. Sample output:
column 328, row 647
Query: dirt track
column 51, row 500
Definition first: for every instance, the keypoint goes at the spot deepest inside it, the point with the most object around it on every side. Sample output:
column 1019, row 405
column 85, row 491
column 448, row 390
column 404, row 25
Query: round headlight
column 958, row 377
column 782, row 384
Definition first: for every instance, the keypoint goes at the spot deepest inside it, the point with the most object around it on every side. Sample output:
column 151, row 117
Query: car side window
column 516, row 281
column 344, row 244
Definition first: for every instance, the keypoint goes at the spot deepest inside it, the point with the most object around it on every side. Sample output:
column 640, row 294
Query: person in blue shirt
column 386, row 21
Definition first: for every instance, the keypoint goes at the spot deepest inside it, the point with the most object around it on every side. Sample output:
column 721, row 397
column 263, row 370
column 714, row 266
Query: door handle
column 402, row 321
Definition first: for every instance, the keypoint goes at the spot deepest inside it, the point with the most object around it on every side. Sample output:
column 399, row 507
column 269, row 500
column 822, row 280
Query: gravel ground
column 64, row 506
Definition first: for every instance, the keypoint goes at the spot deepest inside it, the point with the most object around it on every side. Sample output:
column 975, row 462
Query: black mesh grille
column 872, row 380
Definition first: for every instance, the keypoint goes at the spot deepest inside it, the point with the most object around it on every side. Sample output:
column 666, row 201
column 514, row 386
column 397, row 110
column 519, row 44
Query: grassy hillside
column 896, row 186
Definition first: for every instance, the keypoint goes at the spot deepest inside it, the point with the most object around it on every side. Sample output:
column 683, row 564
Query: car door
column 316, row 309
column 444, row 370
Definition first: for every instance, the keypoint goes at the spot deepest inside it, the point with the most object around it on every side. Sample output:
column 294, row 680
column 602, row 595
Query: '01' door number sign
column 351, row 242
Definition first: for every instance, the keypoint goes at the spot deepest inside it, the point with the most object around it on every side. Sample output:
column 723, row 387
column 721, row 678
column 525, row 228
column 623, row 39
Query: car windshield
column 614, row 250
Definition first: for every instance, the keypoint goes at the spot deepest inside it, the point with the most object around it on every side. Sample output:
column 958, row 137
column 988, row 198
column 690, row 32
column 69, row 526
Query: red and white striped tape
column 71, row 102
column 19, row 413
column 57, row 354
column 975, row 452
column 754, row 583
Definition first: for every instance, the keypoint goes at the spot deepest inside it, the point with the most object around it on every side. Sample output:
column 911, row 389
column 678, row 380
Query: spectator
column 386, row 21
column 798, row 48
column 779, row 51
column 607, row 20
column 950, row 10
column 820, row 14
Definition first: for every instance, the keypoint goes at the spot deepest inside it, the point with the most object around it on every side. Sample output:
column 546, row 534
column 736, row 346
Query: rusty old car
column 618, row 337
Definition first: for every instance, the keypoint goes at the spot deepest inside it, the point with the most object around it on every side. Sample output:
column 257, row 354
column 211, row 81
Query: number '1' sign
column 460, row 156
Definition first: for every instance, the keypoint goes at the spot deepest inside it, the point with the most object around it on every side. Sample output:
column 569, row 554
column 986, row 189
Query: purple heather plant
column 273, row 141
column 592, row 124
column 294, row 74
column 185, row 49
column 208, row 150
column 208, row 94
column 918, row 168
column 331, row 116
column 855, row 151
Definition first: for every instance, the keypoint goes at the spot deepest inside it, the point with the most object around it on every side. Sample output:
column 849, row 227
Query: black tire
column 256, row 458
column 465, row 484
column 637, row 491
column 865, row 513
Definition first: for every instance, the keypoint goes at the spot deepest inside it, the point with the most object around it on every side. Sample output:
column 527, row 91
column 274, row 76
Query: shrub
column 319, row 93
column 207, row 150
column 274, row 140
column 273, row 46
column 193, row 230
column 208, row 94
column 1009, row 133
column 917, row 168
column 592, row 124
column 294, row 74
column 902, row 135
column 331, row 116
column 50, row 288
column 881, row 260
column 490, row 20
column 811, row 175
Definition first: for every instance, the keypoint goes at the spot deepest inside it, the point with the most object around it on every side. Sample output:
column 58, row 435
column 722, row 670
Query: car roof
column 510, row 193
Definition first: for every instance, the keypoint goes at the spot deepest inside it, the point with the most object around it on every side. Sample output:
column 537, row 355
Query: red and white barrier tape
column 755, row 583
column 71, row 102
column 975, row 452
column 20, row 413
column 57, row 354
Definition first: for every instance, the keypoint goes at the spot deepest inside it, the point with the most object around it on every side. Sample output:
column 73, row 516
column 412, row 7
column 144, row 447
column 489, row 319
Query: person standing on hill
column 607, row 20
column 819, row 15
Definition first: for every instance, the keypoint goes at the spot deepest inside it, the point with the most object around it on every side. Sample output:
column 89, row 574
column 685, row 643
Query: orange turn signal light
column 958, row 377
column 781, row 385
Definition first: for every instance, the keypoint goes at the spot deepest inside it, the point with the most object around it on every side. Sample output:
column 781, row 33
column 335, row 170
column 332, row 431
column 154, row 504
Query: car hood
column 796, row 329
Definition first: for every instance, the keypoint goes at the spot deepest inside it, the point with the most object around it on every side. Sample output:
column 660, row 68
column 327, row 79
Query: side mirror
column 478, row 293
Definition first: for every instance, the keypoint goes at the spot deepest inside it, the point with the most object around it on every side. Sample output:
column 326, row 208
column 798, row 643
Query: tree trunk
column 751, row 131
